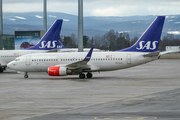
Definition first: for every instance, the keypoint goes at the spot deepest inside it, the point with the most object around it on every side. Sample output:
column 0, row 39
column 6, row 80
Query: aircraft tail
column 149, row 41
column 51, row 38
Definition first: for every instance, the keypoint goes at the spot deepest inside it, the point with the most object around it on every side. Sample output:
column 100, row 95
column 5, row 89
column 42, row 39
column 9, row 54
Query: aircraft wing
column 80, row 64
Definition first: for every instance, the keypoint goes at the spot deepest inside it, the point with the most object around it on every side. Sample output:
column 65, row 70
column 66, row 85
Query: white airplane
column 62, row 64
column 49, row 42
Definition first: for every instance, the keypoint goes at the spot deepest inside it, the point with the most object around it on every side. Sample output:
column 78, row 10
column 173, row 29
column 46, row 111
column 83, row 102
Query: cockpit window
column 17, row 60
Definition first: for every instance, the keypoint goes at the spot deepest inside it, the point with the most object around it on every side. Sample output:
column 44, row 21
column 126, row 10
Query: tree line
column 112, row 41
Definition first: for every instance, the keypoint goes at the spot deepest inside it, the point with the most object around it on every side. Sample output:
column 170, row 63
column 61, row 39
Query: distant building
column 174, row 32
column 7, row 42
column 172, row 48
column 26, row 39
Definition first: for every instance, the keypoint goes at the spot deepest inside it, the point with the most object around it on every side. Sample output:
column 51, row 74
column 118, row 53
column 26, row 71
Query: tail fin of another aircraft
column 149, row 41
column 51, row 38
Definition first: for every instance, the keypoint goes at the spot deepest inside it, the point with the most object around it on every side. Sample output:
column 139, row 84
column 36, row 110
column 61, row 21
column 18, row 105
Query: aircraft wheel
column 82, row 76
column 89, row 75
column 26, row 75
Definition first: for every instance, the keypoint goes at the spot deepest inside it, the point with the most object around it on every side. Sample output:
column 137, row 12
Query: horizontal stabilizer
column 166, row 52
column 152, row 54
column 53, row 50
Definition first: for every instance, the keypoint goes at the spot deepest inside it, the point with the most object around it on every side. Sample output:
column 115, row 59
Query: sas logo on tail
column 49, row 44
column 147, row 46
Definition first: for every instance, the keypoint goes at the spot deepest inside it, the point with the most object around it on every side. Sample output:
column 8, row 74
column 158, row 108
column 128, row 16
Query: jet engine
column 58, row 71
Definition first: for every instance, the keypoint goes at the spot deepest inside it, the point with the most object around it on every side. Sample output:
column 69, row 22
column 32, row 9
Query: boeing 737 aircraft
column 62, row 64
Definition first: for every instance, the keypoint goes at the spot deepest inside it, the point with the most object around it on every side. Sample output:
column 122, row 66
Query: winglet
column 51, row 38
column 88, row 56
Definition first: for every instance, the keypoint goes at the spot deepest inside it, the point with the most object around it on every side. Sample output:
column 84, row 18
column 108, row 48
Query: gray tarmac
column 146, row 92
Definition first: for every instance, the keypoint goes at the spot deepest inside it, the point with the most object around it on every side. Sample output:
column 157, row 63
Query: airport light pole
column 80, row 25
column 45, row 15
column 1, row 25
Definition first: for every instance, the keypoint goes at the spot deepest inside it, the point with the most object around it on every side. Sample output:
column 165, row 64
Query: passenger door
column 128, row 59
column 28, row 60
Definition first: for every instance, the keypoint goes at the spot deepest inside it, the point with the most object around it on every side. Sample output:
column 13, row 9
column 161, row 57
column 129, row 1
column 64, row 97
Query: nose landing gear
column 26, row 75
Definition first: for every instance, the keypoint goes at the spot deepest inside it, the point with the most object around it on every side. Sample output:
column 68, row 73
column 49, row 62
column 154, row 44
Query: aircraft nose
column 11, row 65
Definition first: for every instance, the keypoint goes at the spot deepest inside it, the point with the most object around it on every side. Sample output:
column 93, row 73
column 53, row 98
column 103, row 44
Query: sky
column 97, row 7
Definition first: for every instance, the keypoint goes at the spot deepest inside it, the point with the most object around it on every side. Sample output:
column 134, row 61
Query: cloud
column 97, row 7
column 22, row 18
column 38, row 16
column 132, row 7
column 52, row 16
column 12, row 19
column 22, row 7
column 121, row 11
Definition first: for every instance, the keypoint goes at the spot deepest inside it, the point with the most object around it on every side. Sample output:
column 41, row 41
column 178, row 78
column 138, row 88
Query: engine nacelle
column 58, row 71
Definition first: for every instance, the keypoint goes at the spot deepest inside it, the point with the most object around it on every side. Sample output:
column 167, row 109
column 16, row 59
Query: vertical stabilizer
column 51, row 38
column 149, row 41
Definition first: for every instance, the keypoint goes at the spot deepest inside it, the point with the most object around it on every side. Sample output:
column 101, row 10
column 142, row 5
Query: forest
column 112, row 41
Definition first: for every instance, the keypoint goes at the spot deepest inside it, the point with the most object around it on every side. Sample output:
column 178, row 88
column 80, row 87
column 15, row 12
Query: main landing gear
column 26, row 75
column 88, row 75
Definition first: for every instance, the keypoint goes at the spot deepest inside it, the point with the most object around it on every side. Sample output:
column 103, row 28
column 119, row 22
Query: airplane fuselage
column 100, row 61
